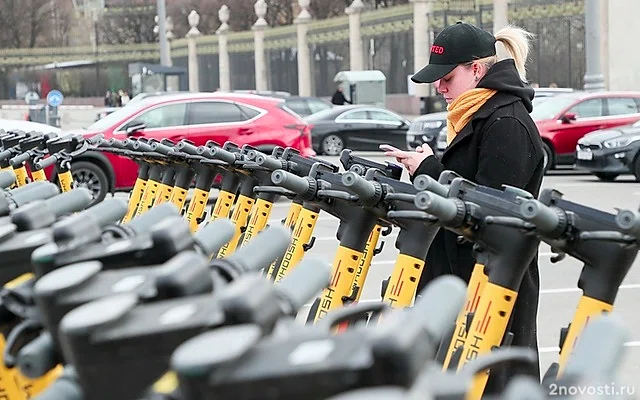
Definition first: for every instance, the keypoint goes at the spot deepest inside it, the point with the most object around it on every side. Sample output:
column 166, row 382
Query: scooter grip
column 219, row 154
column 106, row 212
column 47, row 162
column 161, row 148
column 269, row 163
column 440, row 304
column 214, row 235
column 544, row 218
column 425, row 182
column 629, row 222
column 441, row 207
column 5, row 154
column 37, row 357
column 365, row 189
column 7, row 178
column 304, row 282
column 66, row 203
column 96, row 139
column 146, row 221
column 186, row 148
column 42, row 191
column 143, row 147
column 18, row 160
column 290, row 181
column 262, row 250
column 66, row 387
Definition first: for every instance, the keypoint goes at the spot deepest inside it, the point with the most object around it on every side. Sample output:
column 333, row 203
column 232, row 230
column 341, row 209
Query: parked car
column 108, row 110
column 27, row 126
column 564, row 119
column 432, row 128
column 609, row 153
column 263, row 122
column 305, row 106
column 357, row 127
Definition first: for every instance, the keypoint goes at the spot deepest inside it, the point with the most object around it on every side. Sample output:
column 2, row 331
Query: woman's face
column 458, row 81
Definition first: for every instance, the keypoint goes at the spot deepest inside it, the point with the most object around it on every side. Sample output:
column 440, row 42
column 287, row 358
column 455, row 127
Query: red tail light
column 305, row 133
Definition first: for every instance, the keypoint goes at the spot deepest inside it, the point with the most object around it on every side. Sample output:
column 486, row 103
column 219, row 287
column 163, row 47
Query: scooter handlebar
column 443, row 208
column 65, row 203
column 18, row 160
column 441, row 302
column 146, row 221
column 290, row 181
column 7, row 178
column 366, row 190
column 262, row 250
column 220, row 154
column 161, row 148
column 214, row 235
column 47, row 162
column 107, row 211
column 304, row 282
column 37, row 357
column 629, row 222
column 544, row 218
column 44, row 190
column 269, row 163
column 425, row 182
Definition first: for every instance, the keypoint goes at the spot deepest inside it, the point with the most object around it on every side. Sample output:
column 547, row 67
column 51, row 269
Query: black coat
column 500, row 145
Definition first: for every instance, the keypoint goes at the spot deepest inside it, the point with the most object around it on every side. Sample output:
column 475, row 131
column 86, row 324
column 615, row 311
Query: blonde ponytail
column 516, row 46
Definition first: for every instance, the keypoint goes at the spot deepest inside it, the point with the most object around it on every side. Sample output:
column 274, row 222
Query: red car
column 563, row 119
column 262, row 122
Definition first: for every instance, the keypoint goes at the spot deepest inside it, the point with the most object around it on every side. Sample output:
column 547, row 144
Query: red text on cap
column 437, row 49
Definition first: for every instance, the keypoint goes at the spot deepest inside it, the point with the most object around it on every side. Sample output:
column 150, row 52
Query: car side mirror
column 568, row 117
column 137, row 127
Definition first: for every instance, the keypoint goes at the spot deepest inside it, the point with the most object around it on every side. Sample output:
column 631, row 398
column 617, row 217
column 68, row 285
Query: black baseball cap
column 457, row 44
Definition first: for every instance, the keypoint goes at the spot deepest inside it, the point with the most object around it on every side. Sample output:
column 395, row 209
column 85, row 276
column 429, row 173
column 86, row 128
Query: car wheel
column 606, row 176
column 549, row 157
column 90, row 176
column 332, row 145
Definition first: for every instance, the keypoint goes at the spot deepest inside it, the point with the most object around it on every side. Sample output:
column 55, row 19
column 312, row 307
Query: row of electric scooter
column 158, row 298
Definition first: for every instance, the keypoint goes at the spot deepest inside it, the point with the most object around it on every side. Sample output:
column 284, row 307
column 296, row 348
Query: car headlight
column 621, row 141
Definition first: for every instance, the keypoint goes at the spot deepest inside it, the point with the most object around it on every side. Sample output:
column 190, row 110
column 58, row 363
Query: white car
column 27, row 126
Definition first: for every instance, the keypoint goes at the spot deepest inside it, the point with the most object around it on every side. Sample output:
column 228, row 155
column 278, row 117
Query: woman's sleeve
column 429, row 166
column 506, row 155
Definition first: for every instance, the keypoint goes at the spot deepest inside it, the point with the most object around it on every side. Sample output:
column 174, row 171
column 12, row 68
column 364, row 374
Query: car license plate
column 585, row 155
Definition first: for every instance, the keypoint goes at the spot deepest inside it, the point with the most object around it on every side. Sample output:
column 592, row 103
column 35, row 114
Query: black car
column 305, row 106
column 608, row 153
column 356, row 127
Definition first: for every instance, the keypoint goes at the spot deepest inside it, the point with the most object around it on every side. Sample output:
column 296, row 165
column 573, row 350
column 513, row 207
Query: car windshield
column 116, row 116
column 550, row 108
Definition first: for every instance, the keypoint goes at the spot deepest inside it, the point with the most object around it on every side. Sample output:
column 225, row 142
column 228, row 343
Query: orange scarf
column 462, row 109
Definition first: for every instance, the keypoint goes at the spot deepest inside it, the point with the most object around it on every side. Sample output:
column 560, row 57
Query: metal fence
column 557, row 55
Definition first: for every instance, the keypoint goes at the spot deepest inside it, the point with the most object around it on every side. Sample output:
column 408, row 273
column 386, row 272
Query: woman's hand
column 411, row 159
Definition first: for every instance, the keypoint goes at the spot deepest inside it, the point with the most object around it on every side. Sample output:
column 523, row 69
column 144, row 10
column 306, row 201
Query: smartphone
column 388, row 147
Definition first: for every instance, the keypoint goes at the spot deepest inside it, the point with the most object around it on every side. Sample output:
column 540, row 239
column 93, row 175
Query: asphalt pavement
column 559, row 294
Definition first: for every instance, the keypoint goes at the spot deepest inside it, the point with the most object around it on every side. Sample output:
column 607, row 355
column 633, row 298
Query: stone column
column 304, row 58
column 356, row 56
column 223, row 52
column 500, row 14
column 258, row 38
column 194, row 80
column 593, row 78
column 421, row 45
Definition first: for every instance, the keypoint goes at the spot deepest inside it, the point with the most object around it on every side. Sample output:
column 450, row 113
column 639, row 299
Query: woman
column 492, row 141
